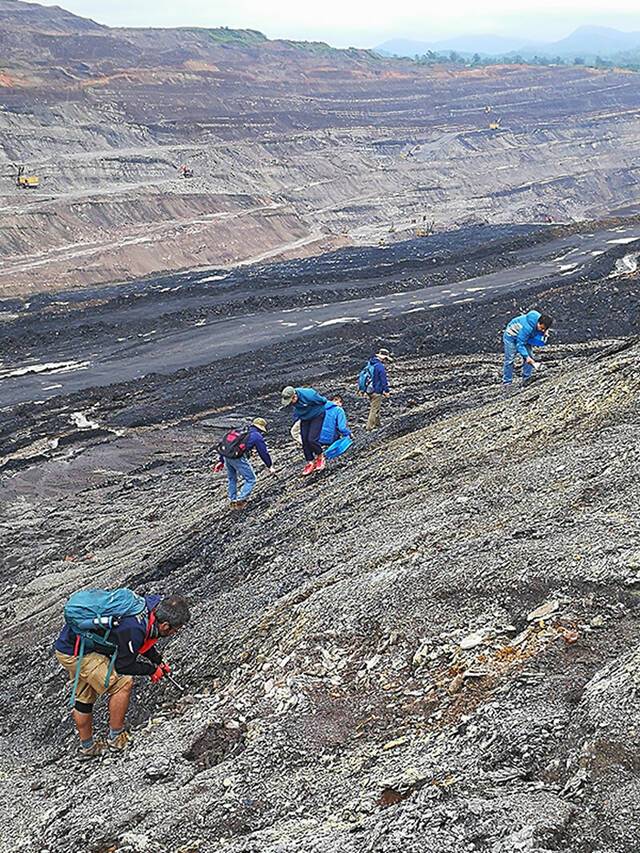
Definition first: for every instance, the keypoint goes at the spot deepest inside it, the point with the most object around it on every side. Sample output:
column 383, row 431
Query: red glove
column 161, row 670
column 218, row 468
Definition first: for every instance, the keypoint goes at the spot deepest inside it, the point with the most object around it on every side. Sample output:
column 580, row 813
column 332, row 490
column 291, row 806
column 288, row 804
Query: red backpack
column 234, row 444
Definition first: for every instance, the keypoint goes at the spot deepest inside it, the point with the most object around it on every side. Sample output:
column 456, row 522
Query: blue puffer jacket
column 334, row 424
column 309, row 405
column 380, row 383
column 523, row 329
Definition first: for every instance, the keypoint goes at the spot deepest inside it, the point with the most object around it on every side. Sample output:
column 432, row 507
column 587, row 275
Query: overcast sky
column 365, row 23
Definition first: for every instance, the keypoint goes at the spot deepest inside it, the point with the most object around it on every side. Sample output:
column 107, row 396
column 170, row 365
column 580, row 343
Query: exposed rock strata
column 295, row 148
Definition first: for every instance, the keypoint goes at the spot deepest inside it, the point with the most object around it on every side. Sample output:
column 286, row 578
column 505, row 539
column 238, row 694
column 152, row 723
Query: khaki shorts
column 93, row 671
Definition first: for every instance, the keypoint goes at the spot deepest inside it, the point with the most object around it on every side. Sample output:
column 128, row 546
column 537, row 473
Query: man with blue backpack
column 373, row 381
column 109, row 636
column 522, row 334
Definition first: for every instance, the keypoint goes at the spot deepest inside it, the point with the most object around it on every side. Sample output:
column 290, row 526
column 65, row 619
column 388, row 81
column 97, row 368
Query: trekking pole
column 175, row 683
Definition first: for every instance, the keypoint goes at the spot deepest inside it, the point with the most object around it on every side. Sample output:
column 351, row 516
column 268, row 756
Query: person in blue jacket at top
column 522, row 333
column 308, row 408
column 334, row 424
column 378, row 386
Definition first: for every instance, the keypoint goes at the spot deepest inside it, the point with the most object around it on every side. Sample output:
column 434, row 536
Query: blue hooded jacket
column 538, row 340
column 523, row 329
column 380, row 383
column 334, row 424
column 309, row 405
column 129, row 636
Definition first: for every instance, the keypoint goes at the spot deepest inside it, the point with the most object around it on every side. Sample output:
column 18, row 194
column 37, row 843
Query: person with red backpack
column 108, row 637
column 235, row 449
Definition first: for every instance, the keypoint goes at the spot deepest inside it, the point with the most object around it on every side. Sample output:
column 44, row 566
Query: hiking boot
column 321, row 462
column 119, row 743
column 309, row 468
column 94, row 751
column 240, row 504
column 506, row 389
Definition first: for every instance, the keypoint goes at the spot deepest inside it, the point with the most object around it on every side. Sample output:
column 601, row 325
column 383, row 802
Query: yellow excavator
column 26, row 182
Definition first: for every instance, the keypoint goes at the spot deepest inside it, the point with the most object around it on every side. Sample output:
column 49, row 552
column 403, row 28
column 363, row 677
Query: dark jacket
column 379, row 383
column 129, row 636
column 256, row 442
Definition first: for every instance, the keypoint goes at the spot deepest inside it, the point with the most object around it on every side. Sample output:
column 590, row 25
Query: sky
column 366, row 23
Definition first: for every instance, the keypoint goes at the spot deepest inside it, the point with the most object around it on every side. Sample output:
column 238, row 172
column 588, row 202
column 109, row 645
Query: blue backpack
column 365, row 379
column 91, row 615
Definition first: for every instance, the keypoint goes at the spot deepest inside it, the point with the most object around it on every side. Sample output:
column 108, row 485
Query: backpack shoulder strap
column 149, row 641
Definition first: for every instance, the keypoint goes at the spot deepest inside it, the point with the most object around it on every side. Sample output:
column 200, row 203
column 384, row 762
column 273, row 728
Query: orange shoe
column 320, row 463
column 309, row 468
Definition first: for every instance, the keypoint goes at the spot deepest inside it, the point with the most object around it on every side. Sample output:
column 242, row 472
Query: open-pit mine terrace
column 295, row 148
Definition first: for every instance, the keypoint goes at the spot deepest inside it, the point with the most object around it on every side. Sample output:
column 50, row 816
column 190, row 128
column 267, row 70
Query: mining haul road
column 68, row 363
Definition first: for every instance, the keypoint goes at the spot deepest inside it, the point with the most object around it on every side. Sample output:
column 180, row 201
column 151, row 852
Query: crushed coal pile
column 432, row 646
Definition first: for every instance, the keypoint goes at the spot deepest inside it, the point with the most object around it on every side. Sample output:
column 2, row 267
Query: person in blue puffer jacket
column 308, row 408
column 522, row 333
column 334, row 424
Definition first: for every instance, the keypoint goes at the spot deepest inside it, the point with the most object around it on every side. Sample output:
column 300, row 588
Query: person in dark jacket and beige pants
column 379, row 386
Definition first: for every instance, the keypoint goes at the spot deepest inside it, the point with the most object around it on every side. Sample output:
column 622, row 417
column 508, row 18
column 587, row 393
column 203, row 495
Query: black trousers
column 310, row 432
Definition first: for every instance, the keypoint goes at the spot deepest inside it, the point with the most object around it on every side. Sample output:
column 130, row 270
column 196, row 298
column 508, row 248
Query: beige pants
column 374, row 411
column 93, row 671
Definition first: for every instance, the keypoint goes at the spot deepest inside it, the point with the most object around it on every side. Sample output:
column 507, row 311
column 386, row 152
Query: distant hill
column 584, row 41
column 487, row 45
column 50, row 19
column 602, row 41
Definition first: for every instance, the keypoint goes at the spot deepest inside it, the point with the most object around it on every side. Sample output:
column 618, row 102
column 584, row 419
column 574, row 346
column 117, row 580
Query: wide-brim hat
column 260, row 423
column 288, row 394
column 384, row 354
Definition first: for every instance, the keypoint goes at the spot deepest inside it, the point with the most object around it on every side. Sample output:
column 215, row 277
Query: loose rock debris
column 422, row 652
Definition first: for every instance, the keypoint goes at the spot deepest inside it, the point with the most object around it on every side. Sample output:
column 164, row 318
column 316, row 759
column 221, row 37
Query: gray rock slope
column 433, row 647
